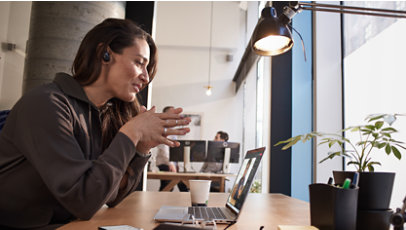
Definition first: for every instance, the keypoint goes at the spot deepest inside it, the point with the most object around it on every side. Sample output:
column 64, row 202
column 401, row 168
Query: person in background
column 215, row 167
column 221, row 136
column 70, row 146
column 162, row 159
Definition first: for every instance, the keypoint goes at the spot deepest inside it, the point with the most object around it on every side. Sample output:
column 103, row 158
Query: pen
column 354, row 183
column 346, row 184
column 330, row 181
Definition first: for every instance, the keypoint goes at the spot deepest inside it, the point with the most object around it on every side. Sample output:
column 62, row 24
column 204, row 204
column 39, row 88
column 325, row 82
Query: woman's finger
column 143, row 109
column 181, row 131
column 177, row 122
column 167, row 116
column 175, row 111
column 169, row 142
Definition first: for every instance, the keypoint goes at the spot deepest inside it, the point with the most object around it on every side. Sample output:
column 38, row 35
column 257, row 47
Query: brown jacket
column 52, row 167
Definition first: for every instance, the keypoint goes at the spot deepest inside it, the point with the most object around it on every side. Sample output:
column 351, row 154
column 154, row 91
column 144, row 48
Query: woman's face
column 128, row 71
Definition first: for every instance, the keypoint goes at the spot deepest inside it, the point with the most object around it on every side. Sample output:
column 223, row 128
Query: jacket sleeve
column 44, row 134
column 135, row 170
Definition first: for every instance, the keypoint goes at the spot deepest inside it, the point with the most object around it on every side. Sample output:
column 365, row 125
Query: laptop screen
column 244, row 179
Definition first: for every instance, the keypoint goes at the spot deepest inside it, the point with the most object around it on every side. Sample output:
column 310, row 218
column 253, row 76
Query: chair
column 3, row 116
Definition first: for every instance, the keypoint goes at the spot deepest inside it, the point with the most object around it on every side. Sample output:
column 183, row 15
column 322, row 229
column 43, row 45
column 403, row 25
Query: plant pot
column 374, row 219
column 375, row 188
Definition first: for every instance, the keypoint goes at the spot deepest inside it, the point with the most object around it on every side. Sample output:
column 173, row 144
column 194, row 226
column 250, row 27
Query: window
column 374, row 76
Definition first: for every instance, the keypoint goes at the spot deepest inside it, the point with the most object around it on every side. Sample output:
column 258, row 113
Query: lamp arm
column 348, row 9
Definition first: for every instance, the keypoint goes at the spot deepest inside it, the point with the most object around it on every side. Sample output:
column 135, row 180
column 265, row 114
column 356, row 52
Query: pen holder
column 333, row 208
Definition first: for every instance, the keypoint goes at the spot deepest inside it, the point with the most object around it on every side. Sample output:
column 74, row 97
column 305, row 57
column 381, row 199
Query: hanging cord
column 211, row 38
column 301, row 39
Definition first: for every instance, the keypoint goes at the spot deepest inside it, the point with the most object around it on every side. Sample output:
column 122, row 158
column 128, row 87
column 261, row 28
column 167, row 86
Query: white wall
column 14, row 26
column 182, row 35
column 327, row 88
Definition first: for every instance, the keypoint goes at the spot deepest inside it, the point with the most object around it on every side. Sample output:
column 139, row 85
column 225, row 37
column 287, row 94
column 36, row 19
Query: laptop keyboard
column 206, row 213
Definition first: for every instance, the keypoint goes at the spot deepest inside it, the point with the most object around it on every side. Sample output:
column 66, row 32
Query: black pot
column 375, row 188
column 374, row 219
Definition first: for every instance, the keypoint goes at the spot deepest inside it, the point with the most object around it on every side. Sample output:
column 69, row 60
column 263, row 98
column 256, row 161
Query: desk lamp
column 272, row 35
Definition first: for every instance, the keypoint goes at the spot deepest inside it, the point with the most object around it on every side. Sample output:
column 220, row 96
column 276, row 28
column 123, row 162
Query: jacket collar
column 71, row 87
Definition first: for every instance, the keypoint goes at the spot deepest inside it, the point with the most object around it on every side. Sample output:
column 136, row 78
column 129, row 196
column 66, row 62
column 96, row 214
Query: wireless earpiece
column 106, row 56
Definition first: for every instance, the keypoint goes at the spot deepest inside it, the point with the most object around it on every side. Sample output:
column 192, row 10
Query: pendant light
column 209, row 86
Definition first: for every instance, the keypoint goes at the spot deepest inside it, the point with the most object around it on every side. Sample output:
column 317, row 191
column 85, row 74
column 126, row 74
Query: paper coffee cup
column 199, row 192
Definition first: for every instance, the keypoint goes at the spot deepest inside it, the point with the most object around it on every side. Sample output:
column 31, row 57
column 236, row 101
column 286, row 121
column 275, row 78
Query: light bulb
column 273, row 44
column 208, row 91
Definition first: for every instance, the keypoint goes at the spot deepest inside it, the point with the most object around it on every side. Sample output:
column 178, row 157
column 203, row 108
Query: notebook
column 227, row 214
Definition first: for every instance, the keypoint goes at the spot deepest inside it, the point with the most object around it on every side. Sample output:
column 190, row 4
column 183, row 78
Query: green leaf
column 307, row 137
column 367, row 130
column 331, row 156
column 396, row 152
column 378, row 124
column 371, row 168
column 381, row 145
column 291, row 143
column 386, row 134
column 395, row 141
column 351, row 128
column 370, row 127
column 373, row 118
column 284, row 141
column 346, row 155
column 388, row 149
column 346, row 140
column 360, row 143
column 332, row 143
column 389, row 129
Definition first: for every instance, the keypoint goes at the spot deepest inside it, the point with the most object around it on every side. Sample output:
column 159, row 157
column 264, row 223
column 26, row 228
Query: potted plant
column 376, row 134
column 375, row 188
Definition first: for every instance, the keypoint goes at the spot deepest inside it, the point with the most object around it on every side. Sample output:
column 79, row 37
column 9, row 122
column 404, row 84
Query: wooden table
column 139, row 209
column 176, row 177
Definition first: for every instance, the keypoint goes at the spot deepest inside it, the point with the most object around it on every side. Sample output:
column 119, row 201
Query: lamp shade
column 271, row 36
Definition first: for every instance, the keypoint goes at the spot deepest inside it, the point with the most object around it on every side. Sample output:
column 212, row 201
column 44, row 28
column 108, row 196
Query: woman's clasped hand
column 150, row 129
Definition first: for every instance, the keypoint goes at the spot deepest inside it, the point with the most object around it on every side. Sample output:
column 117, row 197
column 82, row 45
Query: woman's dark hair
column 115, row 34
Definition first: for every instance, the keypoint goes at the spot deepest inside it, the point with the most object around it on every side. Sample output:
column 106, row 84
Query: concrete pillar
column 56, row 30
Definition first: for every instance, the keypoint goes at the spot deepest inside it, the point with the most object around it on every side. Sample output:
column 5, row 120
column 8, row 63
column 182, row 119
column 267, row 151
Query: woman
column 70, row 146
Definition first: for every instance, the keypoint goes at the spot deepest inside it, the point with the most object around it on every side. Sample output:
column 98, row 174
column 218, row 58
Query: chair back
column 3, row 116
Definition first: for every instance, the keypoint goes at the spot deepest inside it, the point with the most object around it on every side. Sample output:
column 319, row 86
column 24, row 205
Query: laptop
column 227, row 214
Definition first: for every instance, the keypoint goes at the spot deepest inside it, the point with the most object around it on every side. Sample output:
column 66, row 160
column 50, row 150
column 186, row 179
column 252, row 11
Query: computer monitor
column 223, row 152
column 216, row 150
column 188, row 151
